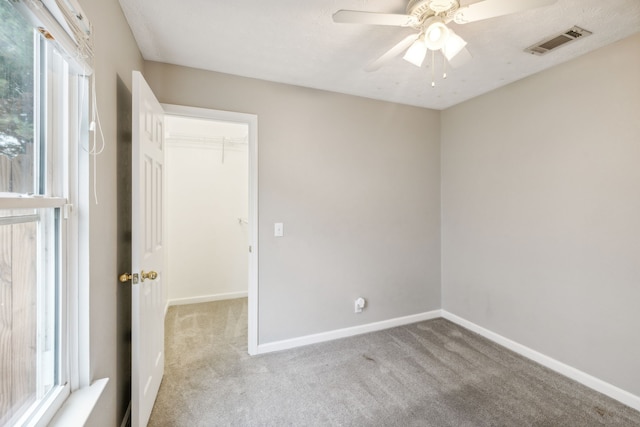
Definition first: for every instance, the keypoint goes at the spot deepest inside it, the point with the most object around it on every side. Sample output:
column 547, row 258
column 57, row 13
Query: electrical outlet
column 359, row 305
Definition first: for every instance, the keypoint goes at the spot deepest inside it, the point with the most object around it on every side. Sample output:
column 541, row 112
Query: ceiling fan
column 430, row 18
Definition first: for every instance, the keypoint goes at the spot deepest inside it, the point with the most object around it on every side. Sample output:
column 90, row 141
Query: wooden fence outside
column 18, row 282
column 16, row 173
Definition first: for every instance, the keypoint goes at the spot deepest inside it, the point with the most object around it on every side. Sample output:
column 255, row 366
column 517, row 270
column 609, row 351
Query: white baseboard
column 346, row 332
column 590, row 381
column 207, row 298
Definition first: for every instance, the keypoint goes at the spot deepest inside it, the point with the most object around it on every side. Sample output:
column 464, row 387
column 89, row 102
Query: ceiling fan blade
column 491, row 8
column 460, row 58
column 373, row 18
column 392, row 53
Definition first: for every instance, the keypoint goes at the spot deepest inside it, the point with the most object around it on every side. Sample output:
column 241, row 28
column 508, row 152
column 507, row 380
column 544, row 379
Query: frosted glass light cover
column 416, row 53
column 436, row 35
column 453, row 46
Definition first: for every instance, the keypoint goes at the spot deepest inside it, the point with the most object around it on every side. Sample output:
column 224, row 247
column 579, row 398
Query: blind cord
column 94, row 149
column 95, row 127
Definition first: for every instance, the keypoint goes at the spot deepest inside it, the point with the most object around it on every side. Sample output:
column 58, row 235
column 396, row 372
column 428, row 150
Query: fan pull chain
column 433, row 68
column 444, row 67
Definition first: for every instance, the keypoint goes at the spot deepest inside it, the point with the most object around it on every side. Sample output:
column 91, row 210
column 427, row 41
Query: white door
column 147, row 247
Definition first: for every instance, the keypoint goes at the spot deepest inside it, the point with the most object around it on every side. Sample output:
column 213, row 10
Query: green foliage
column 16, row 81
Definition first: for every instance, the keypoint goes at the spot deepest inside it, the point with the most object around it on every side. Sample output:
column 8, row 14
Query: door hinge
column 250, row 249
column 66, row 210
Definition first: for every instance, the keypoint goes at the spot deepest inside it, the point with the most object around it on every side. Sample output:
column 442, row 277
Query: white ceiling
column 297, row 42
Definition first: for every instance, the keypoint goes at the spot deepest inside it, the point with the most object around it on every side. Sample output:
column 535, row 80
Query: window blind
column 64, row 23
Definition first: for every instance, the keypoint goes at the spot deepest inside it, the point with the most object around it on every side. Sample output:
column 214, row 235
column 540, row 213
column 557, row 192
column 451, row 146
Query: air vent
column 555, row 41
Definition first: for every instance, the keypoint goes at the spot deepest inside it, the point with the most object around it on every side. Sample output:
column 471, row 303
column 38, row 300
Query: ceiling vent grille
column 555, row 41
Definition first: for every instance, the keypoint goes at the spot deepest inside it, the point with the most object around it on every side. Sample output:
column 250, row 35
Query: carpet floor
column 432, row 373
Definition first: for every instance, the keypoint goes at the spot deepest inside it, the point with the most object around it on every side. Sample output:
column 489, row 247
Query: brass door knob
column 151, row 275
column 125, row 277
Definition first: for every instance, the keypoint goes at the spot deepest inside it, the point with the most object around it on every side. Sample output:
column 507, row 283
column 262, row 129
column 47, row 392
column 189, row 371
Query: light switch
column 278, row 229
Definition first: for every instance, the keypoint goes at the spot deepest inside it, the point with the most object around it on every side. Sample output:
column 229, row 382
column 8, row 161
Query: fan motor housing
column 422, row 9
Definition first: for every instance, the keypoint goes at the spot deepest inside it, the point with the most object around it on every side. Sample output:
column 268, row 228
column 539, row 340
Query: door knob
column 151, row 275
column 125, row 277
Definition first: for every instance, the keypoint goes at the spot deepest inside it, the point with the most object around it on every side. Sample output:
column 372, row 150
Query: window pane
column 16, row 102
column 28, row 319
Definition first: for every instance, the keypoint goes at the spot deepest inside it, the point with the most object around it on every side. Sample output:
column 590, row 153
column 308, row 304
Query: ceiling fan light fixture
column 453, row 45
column 416, row 52
column 436, row 35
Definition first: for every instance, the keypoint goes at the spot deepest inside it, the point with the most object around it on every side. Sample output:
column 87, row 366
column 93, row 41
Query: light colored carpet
column 432, row 373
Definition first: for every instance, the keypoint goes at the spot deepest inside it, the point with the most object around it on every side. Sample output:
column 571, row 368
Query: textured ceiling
column 297, row 42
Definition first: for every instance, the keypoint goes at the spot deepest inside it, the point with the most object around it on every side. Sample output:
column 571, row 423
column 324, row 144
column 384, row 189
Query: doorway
column 211, row 224
column 207, row 209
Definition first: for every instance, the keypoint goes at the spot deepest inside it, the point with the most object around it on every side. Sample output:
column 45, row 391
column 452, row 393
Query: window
column 43, row 114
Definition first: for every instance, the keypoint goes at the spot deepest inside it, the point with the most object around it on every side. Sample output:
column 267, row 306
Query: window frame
column 61, row 116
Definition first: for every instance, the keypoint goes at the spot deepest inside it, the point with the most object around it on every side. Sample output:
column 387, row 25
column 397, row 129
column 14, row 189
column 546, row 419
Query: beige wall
column 541, row 212
column 116, row 56
column 356, row 183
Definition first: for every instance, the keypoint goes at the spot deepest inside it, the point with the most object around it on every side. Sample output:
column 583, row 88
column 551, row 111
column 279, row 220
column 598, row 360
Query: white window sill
column 75, row 411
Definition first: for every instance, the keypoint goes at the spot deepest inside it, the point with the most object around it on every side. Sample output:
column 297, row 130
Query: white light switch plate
column 278, row 229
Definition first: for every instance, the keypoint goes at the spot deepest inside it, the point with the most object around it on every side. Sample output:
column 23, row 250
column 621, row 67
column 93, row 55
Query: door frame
column 251, row 120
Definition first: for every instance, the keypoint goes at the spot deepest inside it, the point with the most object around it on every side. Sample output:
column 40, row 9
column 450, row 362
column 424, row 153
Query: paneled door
column 147, row 250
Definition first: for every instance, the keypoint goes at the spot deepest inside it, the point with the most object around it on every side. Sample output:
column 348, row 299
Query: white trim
column 207, row 298
column 78, row 407
column 45, row 411
column 82, row 297
column 253, row 305
column 252, row 121
column 590, row 381
column 30, row 202
column 347, row 332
